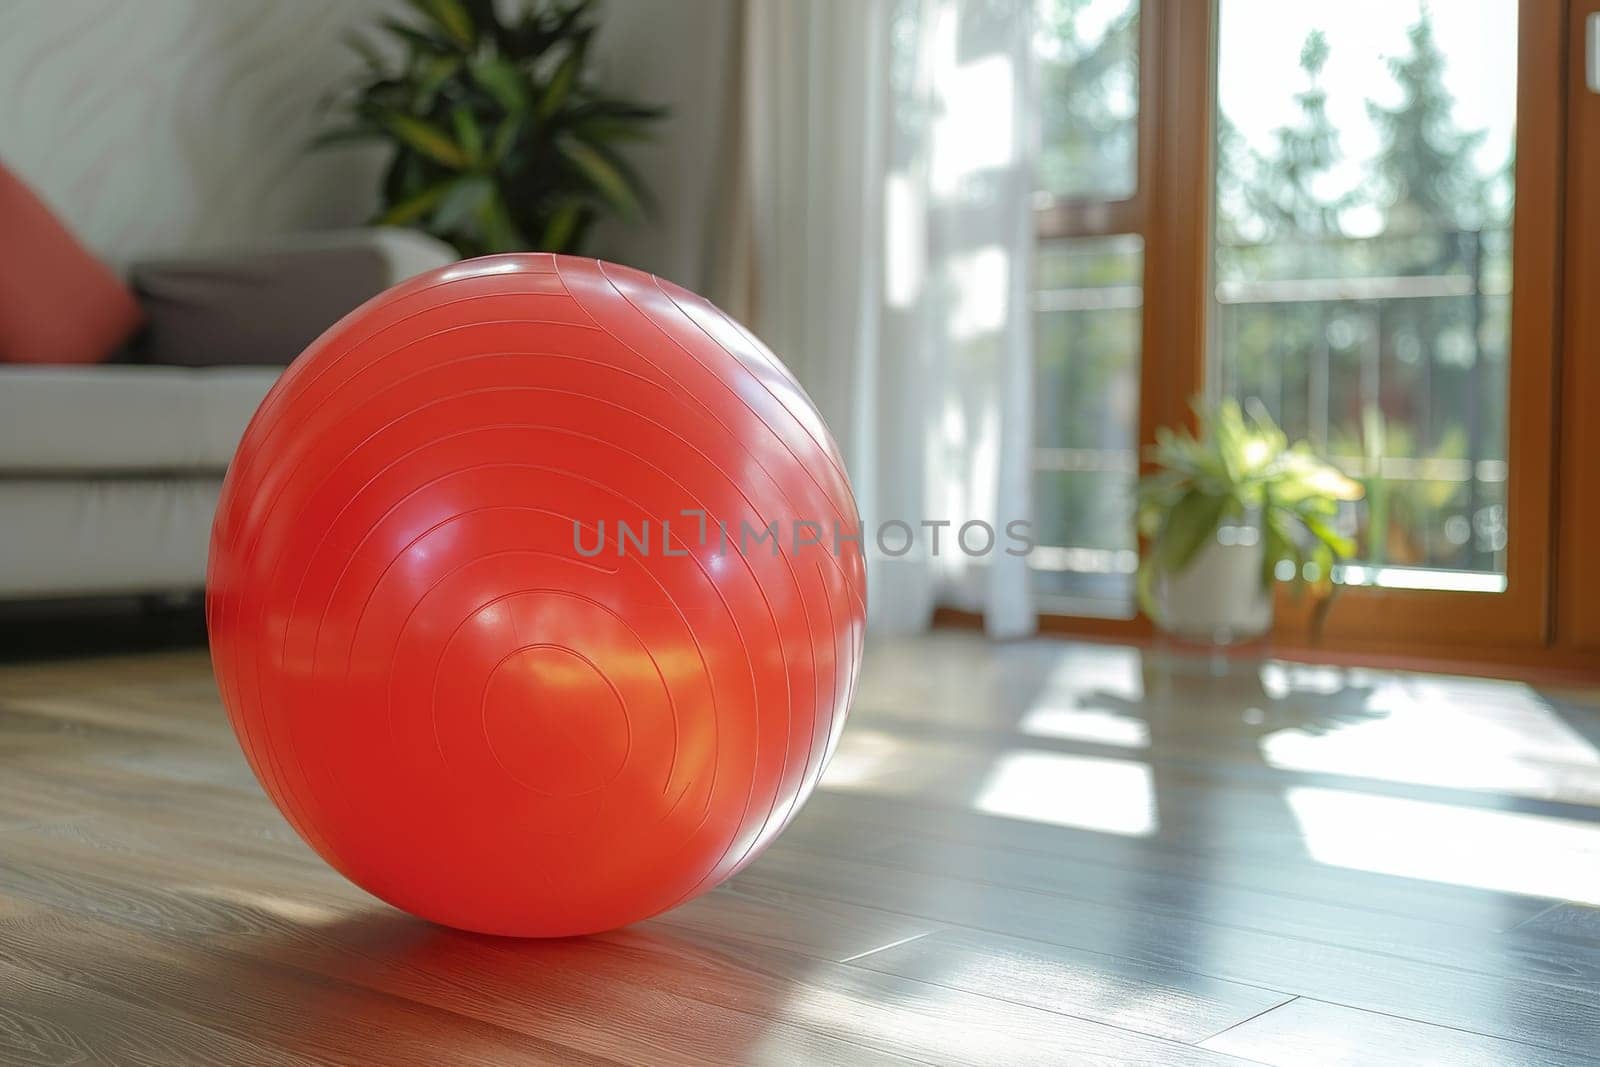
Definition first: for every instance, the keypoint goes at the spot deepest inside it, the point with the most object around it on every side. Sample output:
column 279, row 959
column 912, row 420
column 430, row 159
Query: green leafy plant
column 501, row 142
column 1241, row 469
column 1398, row 511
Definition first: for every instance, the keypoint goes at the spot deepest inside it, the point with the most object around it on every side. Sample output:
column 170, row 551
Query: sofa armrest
column 263, row 306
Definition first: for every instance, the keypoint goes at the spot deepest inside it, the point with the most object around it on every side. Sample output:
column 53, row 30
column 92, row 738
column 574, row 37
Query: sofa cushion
column 105, row 536
column 58, row 303
column 121, row 418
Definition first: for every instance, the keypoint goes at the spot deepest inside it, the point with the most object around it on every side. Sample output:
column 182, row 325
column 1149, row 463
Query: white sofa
column 109, row 473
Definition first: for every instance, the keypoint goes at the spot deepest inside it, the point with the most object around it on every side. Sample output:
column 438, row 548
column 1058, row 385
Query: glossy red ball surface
column 448, row 692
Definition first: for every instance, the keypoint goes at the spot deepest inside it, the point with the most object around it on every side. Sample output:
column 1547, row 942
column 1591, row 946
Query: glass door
column 1365, row 195
column 1368, row 206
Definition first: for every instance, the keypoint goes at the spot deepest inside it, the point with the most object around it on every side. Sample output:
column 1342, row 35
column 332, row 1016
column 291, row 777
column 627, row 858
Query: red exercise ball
column 535, row 596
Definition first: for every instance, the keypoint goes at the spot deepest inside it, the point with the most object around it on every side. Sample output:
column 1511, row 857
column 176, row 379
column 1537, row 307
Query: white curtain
column 878, row 235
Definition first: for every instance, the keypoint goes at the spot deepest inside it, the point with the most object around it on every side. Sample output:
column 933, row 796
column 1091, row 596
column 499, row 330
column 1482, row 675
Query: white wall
column 154, row 125
column 161, row 125
column 678, row 53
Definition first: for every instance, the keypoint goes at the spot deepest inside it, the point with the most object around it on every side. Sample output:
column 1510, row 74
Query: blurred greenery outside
column 1387, row 351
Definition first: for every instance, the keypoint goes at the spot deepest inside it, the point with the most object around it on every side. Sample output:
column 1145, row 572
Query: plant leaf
column 1277, row 546
column 1302, row 475
column 415, row 206
column 436, row 70
column 345, row 135
column 462, row 202
column 451, row 17
column 561, row 82
column 359, row 44
column 563, row 224
column 504, row 137
column 425, row 138
column 1145, row 589
column 1339, row 545
column 609, row 181
column 421, row 41
column 500, row 233
column 1190, row 525
column 469, row 135
column 407, row 173
column 503, row 81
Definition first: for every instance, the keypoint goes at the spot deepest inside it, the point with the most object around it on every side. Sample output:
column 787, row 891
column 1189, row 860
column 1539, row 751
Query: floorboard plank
column 249, row 998
column 1565, row 924
column 1310, row 1031
column 1152, row 1000
column 44, row 1020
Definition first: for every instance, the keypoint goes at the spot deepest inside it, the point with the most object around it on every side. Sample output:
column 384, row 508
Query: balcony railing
column 1387, row 353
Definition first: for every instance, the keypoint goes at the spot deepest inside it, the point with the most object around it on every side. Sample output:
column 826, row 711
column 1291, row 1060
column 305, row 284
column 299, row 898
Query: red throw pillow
column 58, row 303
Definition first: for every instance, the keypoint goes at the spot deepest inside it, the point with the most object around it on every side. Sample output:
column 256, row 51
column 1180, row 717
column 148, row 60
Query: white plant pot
column 1218, row 597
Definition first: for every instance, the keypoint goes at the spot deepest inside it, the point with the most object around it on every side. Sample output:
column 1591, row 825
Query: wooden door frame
column 1577, row 614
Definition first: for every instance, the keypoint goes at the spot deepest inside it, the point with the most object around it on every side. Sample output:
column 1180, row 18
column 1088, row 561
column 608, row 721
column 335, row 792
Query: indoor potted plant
column 1225, row 513
column 501, row 141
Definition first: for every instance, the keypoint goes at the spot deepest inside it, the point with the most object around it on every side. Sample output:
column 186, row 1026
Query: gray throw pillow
column 256, row 308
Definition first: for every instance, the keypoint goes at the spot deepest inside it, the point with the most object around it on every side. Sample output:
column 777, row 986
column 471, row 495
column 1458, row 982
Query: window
column 1363, row 173
column 1089, row 98
column 1088, row 305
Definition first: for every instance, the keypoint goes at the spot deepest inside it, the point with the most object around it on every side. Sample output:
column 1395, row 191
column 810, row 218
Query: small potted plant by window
column 1228, row 511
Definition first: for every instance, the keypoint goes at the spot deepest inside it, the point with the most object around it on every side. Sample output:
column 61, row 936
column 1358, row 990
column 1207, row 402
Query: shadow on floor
column 380, row 987
column 31, row 631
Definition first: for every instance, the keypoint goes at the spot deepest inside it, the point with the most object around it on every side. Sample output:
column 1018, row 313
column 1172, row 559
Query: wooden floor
column 1031, row 853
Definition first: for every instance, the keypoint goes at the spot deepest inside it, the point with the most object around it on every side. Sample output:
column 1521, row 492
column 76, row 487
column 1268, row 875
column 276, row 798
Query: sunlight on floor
column 863, row 756
column 1085, row 792
column 1278, row 680
column 290, row 908
column 1451, row 733
column 1512, row 852
column 1087, row 696
column 857, row 1000
column 1113, row 796
column 1063, row 722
